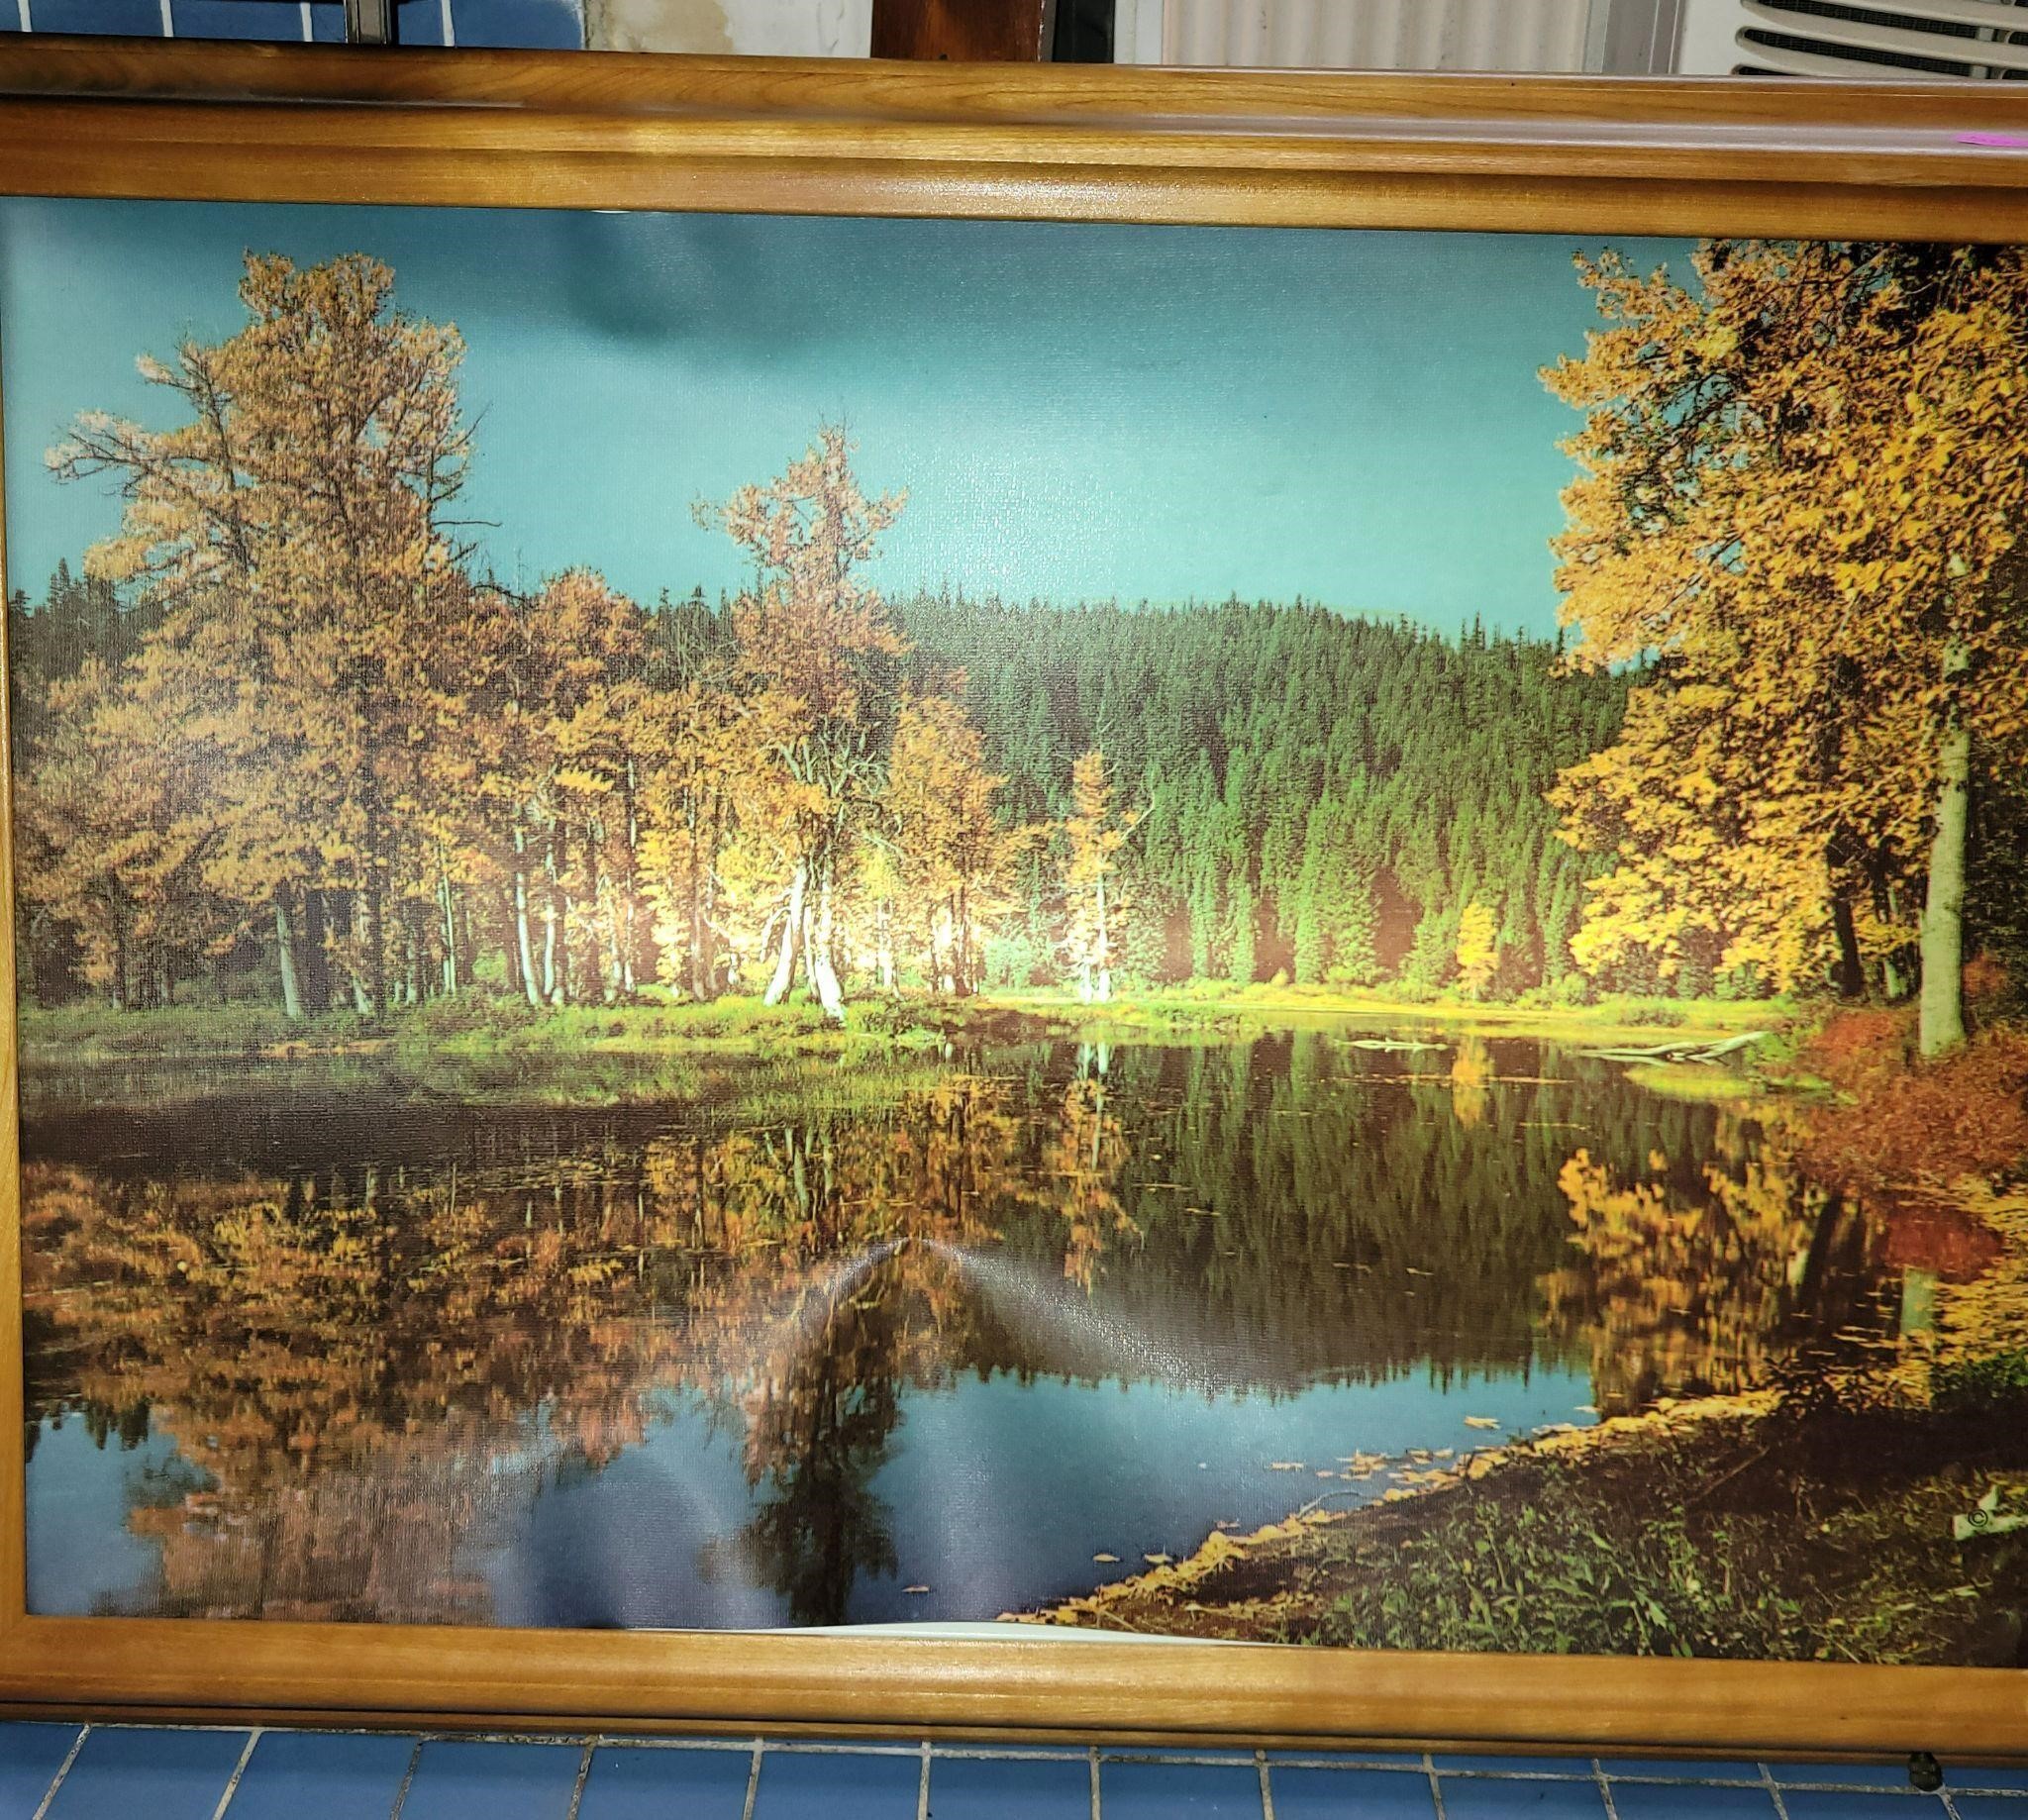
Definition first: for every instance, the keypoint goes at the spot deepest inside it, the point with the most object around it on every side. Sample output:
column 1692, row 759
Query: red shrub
column 1910, row 1122
column 1985, row 979
column 1857, row 1050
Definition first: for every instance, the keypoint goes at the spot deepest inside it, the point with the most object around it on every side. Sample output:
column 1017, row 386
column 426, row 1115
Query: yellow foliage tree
column 954, row 862
column 1479, row 949
column 1799, row 484
column 1094, row 832
column 812, row 631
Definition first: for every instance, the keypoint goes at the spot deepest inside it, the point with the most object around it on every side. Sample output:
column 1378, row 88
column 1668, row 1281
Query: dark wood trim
column 962, row 31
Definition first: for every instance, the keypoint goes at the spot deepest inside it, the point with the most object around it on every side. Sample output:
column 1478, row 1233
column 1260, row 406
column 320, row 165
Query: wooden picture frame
column 176, row 121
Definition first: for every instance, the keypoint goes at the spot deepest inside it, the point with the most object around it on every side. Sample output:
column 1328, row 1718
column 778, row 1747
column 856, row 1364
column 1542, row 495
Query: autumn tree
column 1093, row 833
column 1477, row 955
column 812, row 631
column 1799, row 484
column 952, row 861
column 287, row 533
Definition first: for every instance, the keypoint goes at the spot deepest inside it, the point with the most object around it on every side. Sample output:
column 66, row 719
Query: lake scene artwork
column 1295, row 935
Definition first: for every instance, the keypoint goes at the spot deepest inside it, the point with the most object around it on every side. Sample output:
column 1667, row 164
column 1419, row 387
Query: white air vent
column 1859, row 40
column 1624, row 36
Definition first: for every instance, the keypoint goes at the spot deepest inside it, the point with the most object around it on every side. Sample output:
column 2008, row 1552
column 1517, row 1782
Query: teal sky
column 1077, row 411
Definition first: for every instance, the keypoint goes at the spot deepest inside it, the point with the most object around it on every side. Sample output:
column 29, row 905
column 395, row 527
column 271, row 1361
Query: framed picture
column 1015, row 901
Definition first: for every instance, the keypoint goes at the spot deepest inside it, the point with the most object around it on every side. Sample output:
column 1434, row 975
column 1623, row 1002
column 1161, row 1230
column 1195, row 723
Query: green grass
column 89, row 1032
column 1818, row 1534
column 1690, row 1080
column 491, row 1048
column 488, row 1048
column 1580, row 1568
column 1211, row 1006
column 1997, row 1381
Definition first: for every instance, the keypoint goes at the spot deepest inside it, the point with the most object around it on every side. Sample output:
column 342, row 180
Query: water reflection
column 387, row 1348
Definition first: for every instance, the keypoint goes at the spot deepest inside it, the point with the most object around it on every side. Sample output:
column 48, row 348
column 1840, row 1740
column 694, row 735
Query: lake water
column 824, row 1344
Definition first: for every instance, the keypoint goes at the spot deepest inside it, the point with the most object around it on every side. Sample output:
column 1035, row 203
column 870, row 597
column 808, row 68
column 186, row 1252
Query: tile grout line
column 1002, row 1752
column 825, row 1747
column 1773, row 1791
column 238, row 1769
column 583, row 1771
column 922, row 1789
column 1950, row 1806
column 84, row 1732
column 753, row 1781
column 1612, row 1811
column 1091, row 1759
column 408, row 1775
column 1429, row 1769
column 1266, row 1791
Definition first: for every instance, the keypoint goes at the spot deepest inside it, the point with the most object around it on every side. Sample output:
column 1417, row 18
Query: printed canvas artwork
column 1284, row 935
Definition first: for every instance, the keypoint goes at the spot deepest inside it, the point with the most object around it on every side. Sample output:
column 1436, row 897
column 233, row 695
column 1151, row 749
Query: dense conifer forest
column 1321, row 796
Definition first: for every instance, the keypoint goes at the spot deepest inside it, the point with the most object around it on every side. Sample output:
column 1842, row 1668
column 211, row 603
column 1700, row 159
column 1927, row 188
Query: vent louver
column 1915, row 40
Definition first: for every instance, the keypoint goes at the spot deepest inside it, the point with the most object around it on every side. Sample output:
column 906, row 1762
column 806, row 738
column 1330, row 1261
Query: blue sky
column 1077, row 411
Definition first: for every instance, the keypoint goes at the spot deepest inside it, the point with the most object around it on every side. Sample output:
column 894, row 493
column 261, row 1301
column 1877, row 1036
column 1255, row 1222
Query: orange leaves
column 1905, row 1124
column 951, row 864
column 282, row 539
column 810, row 627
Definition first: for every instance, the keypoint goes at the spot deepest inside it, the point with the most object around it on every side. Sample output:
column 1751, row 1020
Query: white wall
column 1707, row 41
column 751, row 28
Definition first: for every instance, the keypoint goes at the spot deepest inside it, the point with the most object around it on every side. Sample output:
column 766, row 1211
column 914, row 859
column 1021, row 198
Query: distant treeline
column 1321, row 797
column 1300, row 793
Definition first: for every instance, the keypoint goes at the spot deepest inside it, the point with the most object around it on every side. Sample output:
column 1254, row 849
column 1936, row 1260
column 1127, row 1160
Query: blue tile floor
column 117, row 1772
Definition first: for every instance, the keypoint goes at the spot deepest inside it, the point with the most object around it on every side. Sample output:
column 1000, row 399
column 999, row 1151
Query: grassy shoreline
column 85, row 1032
column 1658, row 1533
column 497, row 1051
column 1214, row 1009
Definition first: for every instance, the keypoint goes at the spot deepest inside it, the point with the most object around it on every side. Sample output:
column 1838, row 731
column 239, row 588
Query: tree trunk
column 510, row 953
column 791, row 936
column 616, row 987
column 468, row 943
column 345, row 941
column 822, row 973
column 117, row 985
column 524, row 953
column 1941, row 1021
column 552, row 915
column 708, row 944
column 699, row 956
column 414, row 946
column 446, row 909
column 285, row 955
column 316, row 953
column 1850, row 975
column 372, row 929
column 1104, row 984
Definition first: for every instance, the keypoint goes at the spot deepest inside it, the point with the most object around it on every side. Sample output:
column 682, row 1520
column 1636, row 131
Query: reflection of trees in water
column 1714, row 1275
column 374, row 1365
column 815, row 1438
